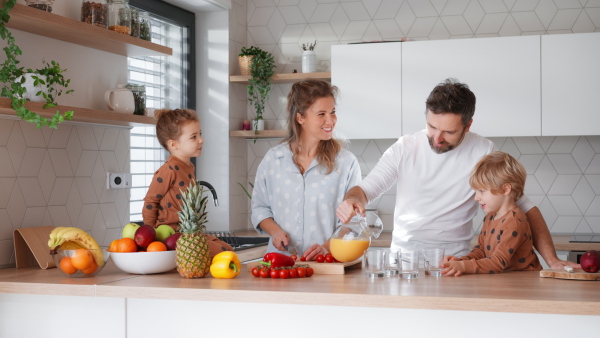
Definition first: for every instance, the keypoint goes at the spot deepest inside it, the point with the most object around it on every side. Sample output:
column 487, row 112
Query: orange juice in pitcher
column 350, row 240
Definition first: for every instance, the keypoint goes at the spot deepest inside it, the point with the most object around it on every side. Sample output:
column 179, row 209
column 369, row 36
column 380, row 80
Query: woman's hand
column 313, row 251
column 280, row 237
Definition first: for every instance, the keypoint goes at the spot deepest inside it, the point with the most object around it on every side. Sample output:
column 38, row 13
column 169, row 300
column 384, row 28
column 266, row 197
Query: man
column 434, row 202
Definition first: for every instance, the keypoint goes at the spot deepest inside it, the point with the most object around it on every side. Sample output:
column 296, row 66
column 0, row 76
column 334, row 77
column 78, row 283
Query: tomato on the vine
column 302, row 258
column 329, row 259
column 274, row 273
column 255, row 272
column 284, row 274
column 301, row 272
column 309, row 271
column 264, row 273
column 320, row 258
column 293, row 273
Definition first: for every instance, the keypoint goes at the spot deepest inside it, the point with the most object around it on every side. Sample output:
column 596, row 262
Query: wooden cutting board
column 578, row 274
column 324, row 268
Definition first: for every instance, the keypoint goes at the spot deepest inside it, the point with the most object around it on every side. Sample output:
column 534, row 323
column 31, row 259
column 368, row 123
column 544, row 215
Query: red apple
column 171, row 241
column 144, row 235
column 590, row 261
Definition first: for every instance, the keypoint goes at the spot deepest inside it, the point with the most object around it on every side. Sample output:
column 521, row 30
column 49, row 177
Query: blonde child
column 505, row 242
column 178, row 131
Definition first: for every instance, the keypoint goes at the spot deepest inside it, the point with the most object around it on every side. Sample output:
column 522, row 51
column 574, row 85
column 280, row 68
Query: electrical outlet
column 118, row 180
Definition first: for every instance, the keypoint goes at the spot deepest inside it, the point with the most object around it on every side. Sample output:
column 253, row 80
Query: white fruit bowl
column 144, row 263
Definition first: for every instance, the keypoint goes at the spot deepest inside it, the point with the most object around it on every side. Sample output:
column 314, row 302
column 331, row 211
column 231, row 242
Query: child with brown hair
column 178, row 131
column 505, row 242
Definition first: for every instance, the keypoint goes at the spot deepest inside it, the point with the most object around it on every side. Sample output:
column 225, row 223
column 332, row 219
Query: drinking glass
column 392, row 267
column 374, row 262
column 433, row 259
column 410, row 264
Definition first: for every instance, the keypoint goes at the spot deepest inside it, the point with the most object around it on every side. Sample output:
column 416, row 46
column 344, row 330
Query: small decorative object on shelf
column 309, row 58
column 245, row 58
column 144, row 26
column 139, row 96
column 135, row 23
column 262, row 69
column 44, row 5
column 246, row 125
column 119, row 16
column 95, row 13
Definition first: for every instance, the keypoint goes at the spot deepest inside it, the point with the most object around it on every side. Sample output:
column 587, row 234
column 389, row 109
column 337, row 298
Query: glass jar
column 139, row 96
column 135, row 23
column 119, row 16
column 95, row 13
column 144, row 18
column 44, row 5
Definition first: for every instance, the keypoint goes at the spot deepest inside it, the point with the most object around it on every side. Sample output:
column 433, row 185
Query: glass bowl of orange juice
column 349, row 241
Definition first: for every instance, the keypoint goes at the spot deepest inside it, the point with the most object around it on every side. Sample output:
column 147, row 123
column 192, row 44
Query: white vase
column 258, row 124
column 309, row 61
column 31, row 90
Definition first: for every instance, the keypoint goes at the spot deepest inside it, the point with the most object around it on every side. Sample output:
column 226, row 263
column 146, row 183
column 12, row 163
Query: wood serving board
column 578, row 274
column 324, row 268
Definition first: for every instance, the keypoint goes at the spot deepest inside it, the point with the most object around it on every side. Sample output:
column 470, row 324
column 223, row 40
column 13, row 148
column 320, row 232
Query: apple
column 144, row 235
column 129, row 230
column 171, row 241
column 590, row 261
column 163, row 231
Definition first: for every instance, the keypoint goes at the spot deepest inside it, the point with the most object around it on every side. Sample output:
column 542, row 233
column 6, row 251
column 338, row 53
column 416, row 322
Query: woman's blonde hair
column 303, row 95
column 169, row 123
column 495, row 170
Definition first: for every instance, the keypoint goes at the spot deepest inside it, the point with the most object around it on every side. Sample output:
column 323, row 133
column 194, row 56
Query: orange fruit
column 156, row 246
column 90, row 269
column 126, row 245
column 67, row 266
column 113, row 246
column 82, row 259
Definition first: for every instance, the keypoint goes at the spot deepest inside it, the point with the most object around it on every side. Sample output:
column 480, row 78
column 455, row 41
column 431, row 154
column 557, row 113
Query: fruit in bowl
column 80, row 262
column 144, row 263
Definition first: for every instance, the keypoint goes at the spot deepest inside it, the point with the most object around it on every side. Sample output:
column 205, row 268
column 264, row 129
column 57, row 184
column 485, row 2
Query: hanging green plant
column 262, row 69
column 50, row 77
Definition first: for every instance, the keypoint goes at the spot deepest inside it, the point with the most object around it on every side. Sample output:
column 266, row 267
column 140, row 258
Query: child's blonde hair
column 495, row 170
column 169, row 123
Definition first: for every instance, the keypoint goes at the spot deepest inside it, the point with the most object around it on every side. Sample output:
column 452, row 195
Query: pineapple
column 193, row 255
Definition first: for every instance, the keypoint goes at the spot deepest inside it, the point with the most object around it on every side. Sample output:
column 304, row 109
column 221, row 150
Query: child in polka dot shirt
column 505, row 242
column 178, row 131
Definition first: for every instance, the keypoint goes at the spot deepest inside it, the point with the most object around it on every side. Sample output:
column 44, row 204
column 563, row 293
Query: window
column 168, row 80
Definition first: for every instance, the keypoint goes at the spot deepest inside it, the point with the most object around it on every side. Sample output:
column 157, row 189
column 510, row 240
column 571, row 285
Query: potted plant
column 245, row 58
column 14, row 78
column 262, row 69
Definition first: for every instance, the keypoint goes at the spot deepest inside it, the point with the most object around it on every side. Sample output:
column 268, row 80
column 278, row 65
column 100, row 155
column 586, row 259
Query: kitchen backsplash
column 563, row 172
column 57, row 177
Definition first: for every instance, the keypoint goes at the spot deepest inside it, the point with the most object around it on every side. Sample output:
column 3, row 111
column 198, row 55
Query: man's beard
column 446, row 147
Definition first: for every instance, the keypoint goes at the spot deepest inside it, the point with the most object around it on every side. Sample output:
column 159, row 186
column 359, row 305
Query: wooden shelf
column 285, row 78
column 82, row 114
column 261, row 134
column 54, row 26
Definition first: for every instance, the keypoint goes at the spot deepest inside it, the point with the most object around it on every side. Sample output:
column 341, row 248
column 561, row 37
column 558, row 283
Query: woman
column 300, row 182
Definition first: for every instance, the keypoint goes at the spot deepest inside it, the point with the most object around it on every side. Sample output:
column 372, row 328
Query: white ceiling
column 201, row 5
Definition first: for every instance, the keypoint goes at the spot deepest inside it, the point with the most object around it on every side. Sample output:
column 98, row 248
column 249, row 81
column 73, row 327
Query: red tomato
column 294, row 257
column 264, row 273
column 329, row 259
column 309, row 271
column 284, row 274
column 301, row 272
column 302, row 258
column 274, row 273
column 328, row 255
column 293, row 273
column 255, row 272
column 320, row 258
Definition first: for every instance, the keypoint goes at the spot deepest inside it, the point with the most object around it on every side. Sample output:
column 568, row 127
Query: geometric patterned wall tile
column 59, row 215
column 6, row 229
column 387, row 9
column 545, row 142
column 405, row 18
column 5, row 128
column 564, row 205
column 594, row 166
column 32, row 161
column 86, row 189
column 528, row 145
column 33, row 137
column 594, row 141
column 545, row 174
column 594, row 209
column 87, row 138
column 60, row 137
column 510, row 147
column 564, row 19
column 32, row 192
column 548, row 211
column 355, row 11
column 528, row 21
column 46, row 176
column 563, row 145
column 60, row 162
column 491, row 23
column 564, row 164
column 594, row 223
column 532, row 187
column 87, row 216
column 594, row 182
column 564, row 184
column 7, row 184
column 545, row 11
column 74, row 149
column 60, row 191
column 566, row 224
column 16, row 147
column 583, row 195
column 6, row 167
column 34, row 217
column 583, row 153
column 74, row 204
column 109, row 138
column 583, row 228
column 531, row 162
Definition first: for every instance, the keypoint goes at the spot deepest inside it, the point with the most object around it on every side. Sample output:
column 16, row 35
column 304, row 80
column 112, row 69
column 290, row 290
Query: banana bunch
column 71, row 238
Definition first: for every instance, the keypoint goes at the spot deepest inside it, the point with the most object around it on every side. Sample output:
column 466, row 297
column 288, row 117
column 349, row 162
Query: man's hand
column 560, row 265
column 348, row 209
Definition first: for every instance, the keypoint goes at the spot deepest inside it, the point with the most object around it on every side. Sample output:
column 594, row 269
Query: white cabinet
column 504, row 74
column 369, row 80
column 570, row 84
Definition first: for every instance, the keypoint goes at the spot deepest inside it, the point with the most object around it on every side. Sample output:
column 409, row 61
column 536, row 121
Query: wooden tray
column 323, row 268
column 578, row 274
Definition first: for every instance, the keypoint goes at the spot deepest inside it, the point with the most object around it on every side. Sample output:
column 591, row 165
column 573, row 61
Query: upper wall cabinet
column 370, row 89
column 570, row 73
column 503, row 73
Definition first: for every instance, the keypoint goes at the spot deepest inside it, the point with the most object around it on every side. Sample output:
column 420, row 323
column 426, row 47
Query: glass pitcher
column 350, row 240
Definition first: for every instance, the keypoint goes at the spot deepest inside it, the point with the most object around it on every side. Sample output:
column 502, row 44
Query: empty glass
column 410, row 264
column 433, row 259
column 392, row 267
column 374, row 262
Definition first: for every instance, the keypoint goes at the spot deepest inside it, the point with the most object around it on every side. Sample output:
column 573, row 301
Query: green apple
column 163, row 231
column 129, row 230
